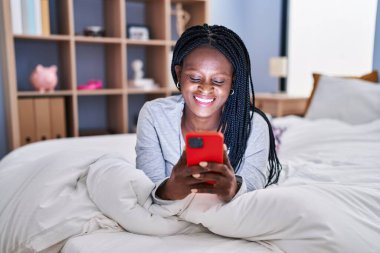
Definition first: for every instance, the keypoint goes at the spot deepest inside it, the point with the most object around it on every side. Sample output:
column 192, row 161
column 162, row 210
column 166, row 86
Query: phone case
column 204, row 146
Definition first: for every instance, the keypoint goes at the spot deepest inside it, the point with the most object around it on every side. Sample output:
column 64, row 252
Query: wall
column 376, row 54
column 258, row 23
column 337, row 43
column 3, row 129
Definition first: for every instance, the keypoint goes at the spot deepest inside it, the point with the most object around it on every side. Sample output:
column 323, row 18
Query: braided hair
column 236, row 118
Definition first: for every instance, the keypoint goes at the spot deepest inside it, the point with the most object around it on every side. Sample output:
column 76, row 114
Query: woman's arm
column 148, row 150
column 254, row 166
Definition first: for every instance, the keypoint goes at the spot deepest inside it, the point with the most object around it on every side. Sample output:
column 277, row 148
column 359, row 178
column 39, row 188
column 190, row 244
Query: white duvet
column 327, row 199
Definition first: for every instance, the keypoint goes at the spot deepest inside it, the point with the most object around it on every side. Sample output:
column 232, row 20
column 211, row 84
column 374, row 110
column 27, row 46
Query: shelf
column 88, row 39
column 80, row 59
column 147, row 42
column 100, row 62
column 46, row 94
column 102, row 112
column 28, row 56
column 52, row 37
column 99, row 92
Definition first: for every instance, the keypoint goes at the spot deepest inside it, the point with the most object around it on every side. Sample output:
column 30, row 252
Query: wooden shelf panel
column 100, row 92
column 88, row 39
column 46, row 94
column 147, row 42
column 52, row 37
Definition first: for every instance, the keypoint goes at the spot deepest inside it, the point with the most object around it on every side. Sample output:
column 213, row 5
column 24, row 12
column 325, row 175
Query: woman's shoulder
column 258, row 122
column 259, row 130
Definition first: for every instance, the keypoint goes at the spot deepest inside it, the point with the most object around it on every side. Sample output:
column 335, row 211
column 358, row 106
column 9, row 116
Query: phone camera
column 195, row 142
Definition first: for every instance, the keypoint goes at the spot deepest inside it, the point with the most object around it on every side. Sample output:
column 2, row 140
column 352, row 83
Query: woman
column 212, row 70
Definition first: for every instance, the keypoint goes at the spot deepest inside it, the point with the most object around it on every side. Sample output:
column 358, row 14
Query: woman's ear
column 178, row 70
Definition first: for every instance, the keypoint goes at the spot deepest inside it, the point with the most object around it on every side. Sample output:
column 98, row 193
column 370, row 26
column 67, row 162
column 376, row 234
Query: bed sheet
column 336, row 164
column 333, row 159
column 128, row 242
column 120, row 143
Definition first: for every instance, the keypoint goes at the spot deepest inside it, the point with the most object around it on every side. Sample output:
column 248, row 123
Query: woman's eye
column 195, row 79
column 218, row 82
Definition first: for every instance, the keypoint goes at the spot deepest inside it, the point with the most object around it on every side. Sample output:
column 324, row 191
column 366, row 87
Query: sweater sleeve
column 253, row 169
column 148, row 149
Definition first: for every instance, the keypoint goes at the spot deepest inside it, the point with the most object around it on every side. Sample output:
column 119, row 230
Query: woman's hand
column 179, row 185
column 217, row 178
column 214, row 178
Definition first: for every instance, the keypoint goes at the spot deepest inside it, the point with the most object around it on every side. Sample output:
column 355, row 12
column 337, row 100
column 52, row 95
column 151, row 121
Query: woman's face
column 206, row 80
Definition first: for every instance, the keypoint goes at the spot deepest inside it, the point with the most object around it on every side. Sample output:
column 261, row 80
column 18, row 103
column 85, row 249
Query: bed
column 64, row 195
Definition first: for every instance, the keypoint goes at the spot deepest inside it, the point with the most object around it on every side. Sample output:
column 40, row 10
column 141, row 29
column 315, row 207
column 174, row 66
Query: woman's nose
column 206, row 87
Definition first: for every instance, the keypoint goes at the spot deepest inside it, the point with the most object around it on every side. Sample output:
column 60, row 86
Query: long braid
column 236, row 118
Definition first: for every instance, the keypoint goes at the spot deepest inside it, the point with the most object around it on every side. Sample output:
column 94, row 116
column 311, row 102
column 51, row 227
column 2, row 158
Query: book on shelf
column 37, row 17
column 16, row 16
column 27, row 11
column 31, row 17
column 45, row 17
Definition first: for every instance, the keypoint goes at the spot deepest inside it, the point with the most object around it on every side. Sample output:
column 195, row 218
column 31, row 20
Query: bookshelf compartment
column 150, row 14
column 30, row 53
column 152, row 57
column 103, row 13
column 59, row 11
column 99, row 115
column 135, row 103
column 197, row 11
column 101, row 62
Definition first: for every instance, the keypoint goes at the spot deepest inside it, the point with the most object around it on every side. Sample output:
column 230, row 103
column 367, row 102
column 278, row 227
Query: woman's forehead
column 205, row 54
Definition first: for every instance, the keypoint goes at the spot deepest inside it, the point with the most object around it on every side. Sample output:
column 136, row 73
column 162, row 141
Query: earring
column 232, row 92
column 178, row 85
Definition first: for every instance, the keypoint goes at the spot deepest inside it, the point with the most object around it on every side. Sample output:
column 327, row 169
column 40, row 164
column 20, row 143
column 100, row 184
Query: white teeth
column 204, row 100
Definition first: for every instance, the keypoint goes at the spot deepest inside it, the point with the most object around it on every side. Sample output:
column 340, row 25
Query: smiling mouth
column 204, row 100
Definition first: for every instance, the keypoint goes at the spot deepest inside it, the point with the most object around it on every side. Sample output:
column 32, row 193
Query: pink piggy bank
column 44, row 78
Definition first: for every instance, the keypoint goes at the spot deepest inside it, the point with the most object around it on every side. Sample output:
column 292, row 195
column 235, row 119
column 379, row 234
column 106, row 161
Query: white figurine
column 138, row 76
column 137, row 67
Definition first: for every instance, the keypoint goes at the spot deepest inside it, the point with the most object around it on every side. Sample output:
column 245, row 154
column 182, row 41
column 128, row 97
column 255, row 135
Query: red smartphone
column 204, row 146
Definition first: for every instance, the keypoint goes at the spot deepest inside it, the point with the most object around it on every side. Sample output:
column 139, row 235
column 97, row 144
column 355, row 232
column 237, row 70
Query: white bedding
column 327, row 199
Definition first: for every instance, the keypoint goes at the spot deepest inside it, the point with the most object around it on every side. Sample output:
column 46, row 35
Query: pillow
column 353, row 101
column 371, row 77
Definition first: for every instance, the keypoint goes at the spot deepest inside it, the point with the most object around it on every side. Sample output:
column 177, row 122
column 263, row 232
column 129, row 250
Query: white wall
column 331, row 37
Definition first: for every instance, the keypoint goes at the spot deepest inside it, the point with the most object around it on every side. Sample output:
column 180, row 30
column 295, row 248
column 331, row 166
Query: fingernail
column 194, row 190
column 196, row 175
column 225, row 147
column 184, row 147
column 203, row 164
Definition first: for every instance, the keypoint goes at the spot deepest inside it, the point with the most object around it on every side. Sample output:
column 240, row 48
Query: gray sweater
column 160, row 143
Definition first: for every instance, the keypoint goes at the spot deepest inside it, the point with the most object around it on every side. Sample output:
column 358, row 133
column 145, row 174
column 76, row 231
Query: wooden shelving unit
column 70, row 50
